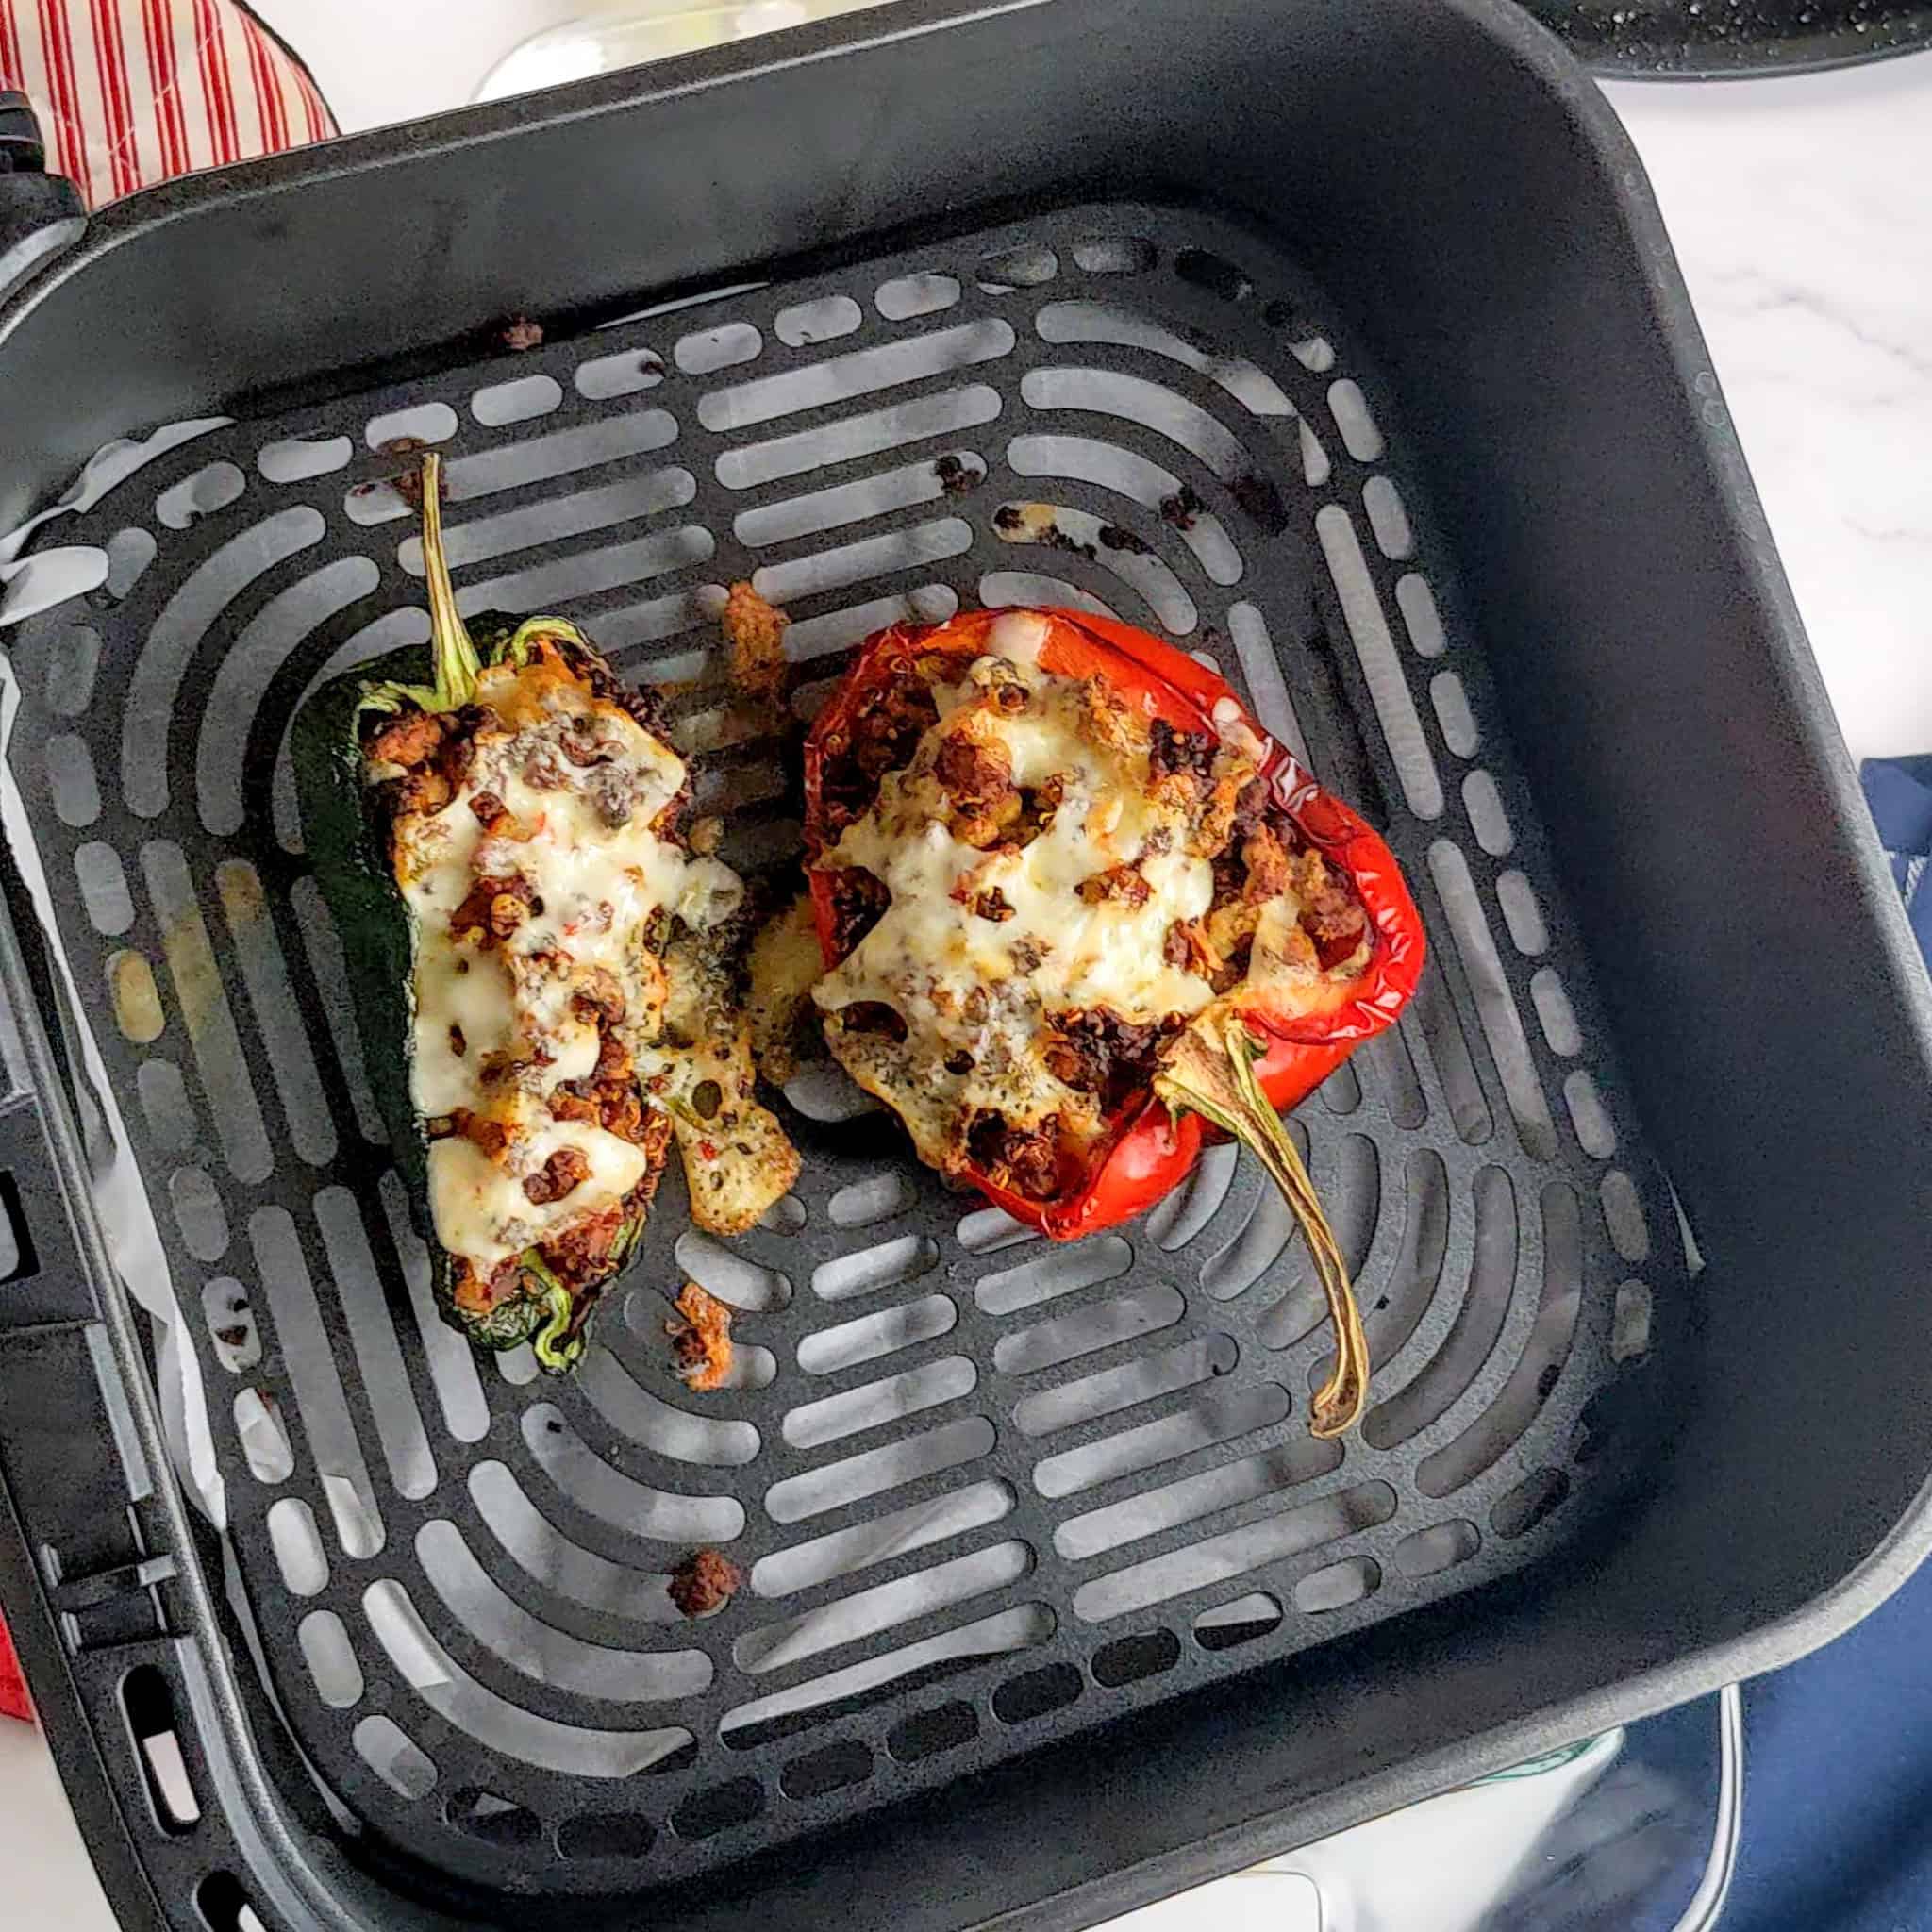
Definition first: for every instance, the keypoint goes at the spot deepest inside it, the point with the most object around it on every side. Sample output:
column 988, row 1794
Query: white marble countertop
column 1802, row 213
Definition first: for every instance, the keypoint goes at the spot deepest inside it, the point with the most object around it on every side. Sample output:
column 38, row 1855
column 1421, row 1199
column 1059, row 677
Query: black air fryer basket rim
column 291, row 1864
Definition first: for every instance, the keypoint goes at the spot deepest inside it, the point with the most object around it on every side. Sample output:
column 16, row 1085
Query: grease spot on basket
column 74, row 656
column 1025, row 267
column 1114, row 255
column 136, row 999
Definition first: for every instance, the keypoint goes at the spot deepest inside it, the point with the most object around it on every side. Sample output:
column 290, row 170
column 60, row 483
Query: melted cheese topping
column 968, row 985
column 495, row 1032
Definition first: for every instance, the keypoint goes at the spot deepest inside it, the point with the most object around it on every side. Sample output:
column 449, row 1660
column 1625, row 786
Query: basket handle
column 41, row 213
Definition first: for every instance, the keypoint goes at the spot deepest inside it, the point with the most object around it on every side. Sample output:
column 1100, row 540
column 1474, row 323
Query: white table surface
column 1802, row 213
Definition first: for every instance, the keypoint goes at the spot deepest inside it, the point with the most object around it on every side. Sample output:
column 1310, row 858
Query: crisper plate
column 987, row 1492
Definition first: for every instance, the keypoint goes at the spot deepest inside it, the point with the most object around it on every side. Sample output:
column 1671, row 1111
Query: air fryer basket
column 991, row 1495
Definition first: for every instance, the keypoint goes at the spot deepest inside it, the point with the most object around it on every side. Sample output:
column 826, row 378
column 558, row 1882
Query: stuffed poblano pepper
column 542, row 969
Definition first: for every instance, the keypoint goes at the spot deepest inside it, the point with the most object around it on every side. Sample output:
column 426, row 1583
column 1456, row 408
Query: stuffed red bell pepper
column 1077, row 910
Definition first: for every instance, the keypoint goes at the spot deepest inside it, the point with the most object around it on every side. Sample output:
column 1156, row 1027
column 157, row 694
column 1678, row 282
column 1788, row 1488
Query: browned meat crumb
column 1024, row 1158
column 1182, row 507
column 583, row 1248
column 520, row 332
column 563, row 1170
column 408, row 484
column 955, row 477
column 487, row 1135
column 754, row 629
column 705, row 1581
column 1099, row 1052
column 1333, row 917
column 493, row 910
column 411, row 739
column 1270, row 868
column 1119, row 882
column 860, row 899
column 701, row 1339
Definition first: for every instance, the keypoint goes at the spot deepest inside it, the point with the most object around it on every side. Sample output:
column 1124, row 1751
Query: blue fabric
column 1837, row 1749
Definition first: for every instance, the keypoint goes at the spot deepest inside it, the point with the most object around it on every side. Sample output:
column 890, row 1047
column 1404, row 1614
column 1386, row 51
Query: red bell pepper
column 1235, row 1085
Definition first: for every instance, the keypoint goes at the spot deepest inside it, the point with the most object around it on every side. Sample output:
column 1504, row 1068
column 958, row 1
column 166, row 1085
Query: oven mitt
column 130, row 92
column 1837, row 1806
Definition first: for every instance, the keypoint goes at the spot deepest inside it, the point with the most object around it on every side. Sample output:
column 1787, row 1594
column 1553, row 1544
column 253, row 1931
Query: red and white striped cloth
column 131, row 91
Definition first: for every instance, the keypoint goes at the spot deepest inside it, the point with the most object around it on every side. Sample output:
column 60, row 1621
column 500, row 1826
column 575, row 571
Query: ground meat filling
column 1102, row 1054
column 859, row 900
column 1026, row 1159
column 882, row 736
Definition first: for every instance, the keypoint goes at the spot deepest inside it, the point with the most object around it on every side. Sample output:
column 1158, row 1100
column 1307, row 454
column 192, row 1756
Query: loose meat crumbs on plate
column 705, row 1581
column 701, row 1339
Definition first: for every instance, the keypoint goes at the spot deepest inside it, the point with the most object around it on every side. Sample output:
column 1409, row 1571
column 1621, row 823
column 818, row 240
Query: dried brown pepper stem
column 1211, row 1071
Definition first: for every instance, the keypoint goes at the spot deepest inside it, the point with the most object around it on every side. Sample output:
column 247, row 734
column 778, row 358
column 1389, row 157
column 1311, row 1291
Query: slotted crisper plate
column 987, row 1492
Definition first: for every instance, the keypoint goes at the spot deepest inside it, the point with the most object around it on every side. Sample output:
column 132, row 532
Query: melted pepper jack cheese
column 978, row 992
column 560, row 794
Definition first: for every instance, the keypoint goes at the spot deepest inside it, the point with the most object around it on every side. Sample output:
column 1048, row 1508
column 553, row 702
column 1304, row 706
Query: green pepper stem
column 1215, row 1077
column 455, row 656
